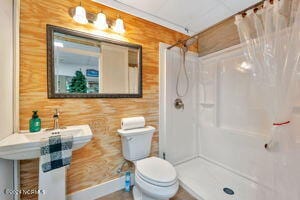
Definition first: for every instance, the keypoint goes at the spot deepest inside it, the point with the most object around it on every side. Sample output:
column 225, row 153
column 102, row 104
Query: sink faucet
column 56, row 123
column 55, row 118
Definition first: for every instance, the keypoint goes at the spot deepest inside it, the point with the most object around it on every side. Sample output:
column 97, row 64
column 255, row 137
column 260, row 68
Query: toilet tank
column 136, row 143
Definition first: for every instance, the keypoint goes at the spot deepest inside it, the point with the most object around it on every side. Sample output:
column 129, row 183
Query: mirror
column 81, row 65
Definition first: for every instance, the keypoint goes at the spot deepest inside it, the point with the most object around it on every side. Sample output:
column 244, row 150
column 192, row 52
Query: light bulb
column 119, row 26
column 101, row 22
column 80, row 15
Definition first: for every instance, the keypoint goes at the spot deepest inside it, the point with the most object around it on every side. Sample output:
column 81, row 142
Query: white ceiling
column 179, row 15
column 75, row 58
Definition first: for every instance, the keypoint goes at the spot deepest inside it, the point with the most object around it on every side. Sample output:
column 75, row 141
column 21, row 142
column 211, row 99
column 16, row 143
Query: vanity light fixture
column 80, row 15
column 101, row 22
column 119, row 26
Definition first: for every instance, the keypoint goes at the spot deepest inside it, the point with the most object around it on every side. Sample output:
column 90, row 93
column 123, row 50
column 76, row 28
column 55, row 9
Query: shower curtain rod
column 182, row 41
column 255, row 7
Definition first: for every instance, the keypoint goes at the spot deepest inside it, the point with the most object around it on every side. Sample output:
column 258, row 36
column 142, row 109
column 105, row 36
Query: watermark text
column 23, row 192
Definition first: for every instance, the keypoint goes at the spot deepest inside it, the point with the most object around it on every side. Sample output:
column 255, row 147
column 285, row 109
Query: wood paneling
column 218, row 37
column 222, row 35
column 98, row 161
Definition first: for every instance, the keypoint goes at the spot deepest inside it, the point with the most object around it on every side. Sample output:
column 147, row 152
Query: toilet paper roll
column 132, row 123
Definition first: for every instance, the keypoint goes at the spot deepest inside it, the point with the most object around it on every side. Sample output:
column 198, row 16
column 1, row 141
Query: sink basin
column 25, row 145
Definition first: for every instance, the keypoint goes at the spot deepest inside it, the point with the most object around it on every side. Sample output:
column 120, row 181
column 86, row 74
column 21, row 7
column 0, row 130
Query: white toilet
column 155, row 178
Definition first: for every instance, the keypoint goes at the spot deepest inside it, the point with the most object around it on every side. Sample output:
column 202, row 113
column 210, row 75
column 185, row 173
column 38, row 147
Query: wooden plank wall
column 222, row 35
column 218, row 37
column 98, row 161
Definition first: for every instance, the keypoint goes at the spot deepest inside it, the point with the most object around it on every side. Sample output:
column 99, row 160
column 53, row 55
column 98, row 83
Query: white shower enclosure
column 217, row 141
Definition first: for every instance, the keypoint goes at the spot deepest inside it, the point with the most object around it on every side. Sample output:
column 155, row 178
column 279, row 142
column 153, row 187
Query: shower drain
column 228, row 191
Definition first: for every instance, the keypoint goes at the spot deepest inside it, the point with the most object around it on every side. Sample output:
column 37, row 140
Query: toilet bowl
column 155, row 178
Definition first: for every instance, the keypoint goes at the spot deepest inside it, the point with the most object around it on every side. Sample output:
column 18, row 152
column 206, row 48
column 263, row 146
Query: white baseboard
column 100, row 190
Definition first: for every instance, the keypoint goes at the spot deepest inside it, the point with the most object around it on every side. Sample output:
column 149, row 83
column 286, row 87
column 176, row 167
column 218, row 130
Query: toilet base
column 138, row 195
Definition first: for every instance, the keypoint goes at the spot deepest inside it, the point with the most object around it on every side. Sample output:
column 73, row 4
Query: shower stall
column 217, row 141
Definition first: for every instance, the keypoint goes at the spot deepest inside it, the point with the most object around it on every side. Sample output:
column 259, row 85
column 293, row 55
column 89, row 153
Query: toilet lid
column 156, row 170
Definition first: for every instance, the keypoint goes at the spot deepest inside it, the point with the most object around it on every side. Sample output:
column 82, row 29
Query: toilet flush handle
column 129, row 138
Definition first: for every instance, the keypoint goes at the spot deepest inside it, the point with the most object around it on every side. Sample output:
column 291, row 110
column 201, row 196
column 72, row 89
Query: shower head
column 189, row 42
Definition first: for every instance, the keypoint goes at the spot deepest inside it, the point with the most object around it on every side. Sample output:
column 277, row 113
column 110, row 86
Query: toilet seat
column 156, row 171
column 153, row 192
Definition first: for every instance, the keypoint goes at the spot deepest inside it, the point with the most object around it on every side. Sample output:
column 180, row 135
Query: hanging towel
column 56, row 152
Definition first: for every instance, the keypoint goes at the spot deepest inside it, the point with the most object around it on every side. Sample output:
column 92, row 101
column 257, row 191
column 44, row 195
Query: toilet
column 155, row 178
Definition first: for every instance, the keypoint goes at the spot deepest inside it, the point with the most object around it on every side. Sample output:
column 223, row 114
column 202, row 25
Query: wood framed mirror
column 82, row 65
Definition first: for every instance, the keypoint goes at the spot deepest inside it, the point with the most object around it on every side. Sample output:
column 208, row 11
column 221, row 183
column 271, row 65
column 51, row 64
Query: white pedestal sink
column 25, row 145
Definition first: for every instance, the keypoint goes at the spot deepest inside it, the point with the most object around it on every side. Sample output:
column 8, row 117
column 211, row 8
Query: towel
column 56, row 152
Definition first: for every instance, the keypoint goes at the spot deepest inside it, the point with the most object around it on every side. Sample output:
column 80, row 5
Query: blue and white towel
column 56, row 152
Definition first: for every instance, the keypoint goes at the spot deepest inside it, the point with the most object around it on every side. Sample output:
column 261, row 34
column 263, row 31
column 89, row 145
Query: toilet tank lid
column 137, row 131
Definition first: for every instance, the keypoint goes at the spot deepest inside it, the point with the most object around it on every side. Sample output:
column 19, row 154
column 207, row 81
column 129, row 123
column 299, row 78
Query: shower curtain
column 272, row 46
column 133, row 76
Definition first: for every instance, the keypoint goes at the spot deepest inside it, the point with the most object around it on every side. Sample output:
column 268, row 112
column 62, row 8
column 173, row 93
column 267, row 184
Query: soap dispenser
column 35, row 122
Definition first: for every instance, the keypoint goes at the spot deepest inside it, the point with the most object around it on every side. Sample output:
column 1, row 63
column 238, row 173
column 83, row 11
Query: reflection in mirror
column 92, row 67
column 83, row 66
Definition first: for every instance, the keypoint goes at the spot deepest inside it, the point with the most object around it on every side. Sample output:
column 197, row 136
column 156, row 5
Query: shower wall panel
column 178, row 126
column 234, row 123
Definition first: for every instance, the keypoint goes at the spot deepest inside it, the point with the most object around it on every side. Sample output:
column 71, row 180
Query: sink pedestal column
column 52, row 184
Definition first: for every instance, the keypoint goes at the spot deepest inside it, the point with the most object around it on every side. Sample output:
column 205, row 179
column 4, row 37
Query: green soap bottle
column 35, row 122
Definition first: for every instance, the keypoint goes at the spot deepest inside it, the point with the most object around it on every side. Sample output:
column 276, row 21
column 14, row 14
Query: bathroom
column 215, row 82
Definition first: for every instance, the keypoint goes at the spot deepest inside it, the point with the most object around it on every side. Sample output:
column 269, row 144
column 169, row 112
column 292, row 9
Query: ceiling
column 78, row 60
column 185, row 16
column 68, row 55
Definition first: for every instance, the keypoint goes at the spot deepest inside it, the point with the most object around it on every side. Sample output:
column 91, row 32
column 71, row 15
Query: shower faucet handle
column 179, row 104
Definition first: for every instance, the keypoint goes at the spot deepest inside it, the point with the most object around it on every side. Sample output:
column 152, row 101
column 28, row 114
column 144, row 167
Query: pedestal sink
column 25, row 145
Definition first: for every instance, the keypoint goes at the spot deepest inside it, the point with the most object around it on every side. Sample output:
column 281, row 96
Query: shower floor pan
column 207, row 181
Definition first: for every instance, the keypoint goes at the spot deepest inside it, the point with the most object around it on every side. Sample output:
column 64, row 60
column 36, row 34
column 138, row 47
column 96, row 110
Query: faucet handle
column 179, row 104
